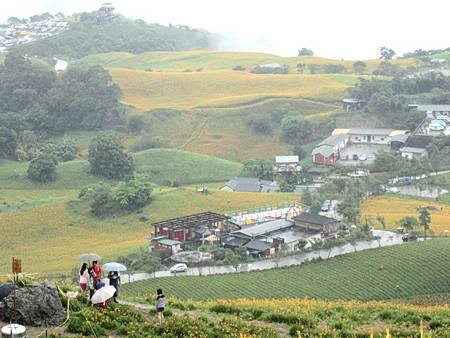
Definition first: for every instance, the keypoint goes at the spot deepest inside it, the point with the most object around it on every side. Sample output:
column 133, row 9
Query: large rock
column 36, row 305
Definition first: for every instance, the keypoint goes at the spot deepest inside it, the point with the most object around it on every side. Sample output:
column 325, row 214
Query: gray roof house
column 250, row 184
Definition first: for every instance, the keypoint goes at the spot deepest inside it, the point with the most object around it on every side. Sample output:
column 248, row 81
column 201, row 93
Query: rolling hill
column 208, row 60
column 186, row 90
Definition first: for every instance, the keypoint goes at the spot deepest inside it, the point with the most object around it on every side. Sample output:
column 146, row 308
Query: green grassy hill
column 161, row 165
column 389, row 273
column 184, row 167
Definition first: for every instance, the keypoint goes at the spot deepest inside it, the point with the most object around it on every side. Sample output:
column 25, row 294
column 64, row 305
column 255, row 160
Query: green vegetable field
column 395, row 272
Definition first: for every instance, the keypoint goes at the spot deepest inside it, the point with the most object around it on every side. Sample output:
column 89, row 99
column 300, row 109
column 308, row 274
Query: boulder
column 36, row 305
column 144, row 218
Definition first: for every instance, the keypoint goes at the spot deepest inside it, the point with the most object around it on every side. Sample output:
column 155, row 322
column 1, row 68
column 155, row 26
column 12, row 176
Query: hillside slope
column 149, row 90
column 394, row 272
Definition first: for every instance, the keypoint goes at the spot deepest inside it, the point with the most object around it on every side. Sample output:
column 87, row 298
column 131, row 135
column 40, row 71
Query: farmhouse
column 161, row 243
column 370, row 135
column 194, row 228
column 432, row 110
column 250, row 184
column 312, row 222
column 413, row 152
column 328, row 151
column 287, row 164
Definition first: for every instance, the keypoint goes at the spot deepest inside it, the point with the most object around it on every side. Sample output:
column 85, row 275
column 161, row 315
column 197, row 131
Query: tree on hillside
column 261, row 169
column 134, row 193
column 349, row 209
column 42, row 169
column 86, row 98
column 305, row 52
column 8, row 142
column 386, row 53
column 424, row 220
column 296, row 130
column 108, row 157
column 359, row 66
column 381, row 220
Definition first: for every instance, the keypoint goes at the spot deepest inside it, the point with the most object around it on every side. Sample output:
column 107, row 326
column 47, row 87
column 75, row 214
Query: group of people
column 91, row 280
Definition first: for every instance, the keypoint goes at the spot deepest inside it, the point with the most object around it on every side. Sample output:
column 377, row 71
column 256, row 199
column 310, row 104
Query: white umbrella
column 103, row 294
column 89, row 257
column 114, row 266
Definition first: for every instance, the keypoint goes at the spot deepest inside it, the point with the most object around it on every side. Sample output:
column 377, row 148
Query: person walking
column 84, row 276
column 114, row 280
column 160, row 305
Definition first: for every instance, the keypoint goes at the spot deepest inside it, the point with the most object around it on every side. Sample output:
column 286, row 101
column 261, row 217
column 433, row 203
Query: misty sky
column 350, row 29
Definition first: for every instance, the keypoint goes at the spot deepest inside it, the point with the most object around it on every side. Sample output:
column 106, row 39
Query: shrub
column 133, row 194
column 238, row 68
column 8, row 142
column 136, row 124
column 103, row 202
column 42, row 169
column 65, row 150
column 147, row 143
column 260, row 124
column 296, row 129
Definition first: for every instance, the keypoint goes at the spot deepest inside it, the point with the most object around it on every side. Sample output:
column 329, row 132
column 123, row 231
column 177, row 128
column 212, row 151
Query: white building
column 369, row 135
column 413, row 152
column 287, row 164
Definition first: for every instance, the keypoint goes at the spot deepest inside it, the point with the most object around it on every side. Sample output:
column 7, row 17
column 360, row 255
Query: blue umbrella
column 114, row 266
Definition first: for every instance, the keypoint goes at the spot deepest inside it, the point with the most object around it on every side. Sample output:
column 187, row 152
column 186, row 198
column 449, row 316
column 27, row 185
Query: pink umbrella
column 103, row 294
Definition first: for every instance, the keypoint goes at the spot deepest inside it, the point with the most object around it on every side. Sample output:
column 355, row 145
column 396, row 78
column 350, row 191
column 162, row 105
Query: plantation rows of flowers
column 312, row 318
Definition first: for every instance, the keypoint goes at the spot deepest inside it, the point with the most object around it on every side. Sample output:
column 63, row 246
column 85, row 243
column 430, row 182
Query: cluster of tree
column 329, row 68
column 86, row 37
column 394, row 165
column 127, row 196
column 305, row 52
column 420, row 53
column 262, row 169
column 266, row 69
column 388, row 100
column 34, row 98
column 439, row 152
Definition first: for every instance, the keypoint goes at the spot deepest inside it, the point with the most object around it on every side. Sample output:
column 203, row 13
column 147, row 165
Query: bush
column 42, row 169
column 238, row 68
column 296, row 130
column 260, row 124
column 103, row 202
column 147, row 143
column 136, row 124
column 133, row 194
column 108, row 157
column 65, row 150
column 8, row 142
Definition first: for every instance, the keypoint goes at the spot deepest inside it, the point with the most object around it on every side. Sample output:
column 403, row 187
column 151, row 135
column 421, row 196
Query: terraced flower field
column 380, row 274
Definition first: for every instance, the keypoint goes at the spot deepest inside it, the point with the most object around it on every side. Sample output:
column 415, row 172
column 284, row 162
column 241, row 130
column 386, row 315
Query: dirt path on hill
column 195, row 134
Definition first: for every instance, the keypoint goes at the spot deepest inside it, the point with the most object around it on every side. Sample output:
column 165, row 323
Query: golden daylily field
column 49, row 237
column 394, row 208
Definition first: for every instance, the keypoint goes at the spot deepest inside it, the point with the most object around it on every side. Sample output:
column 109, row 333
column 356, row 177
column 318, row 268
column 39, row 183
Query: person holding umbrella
column 114, row 276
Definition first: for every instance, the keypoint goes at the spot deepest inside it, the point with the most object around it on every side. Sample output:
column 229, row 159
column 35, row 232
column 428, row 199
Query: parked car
column 355, row 157
column 436, row 127
column 362, row 157
column 180, row 267
column 359, row 173
column 326, row 206
column 409, row 237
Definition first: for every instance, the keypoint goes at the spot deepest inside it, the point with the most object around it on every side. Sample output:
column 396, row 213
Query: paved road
column 387, row 238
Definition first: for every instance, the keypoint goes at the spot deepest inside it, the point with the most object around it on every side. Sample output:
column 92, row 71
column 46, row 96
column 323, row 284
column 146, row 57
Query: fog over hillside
column 348, row 29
